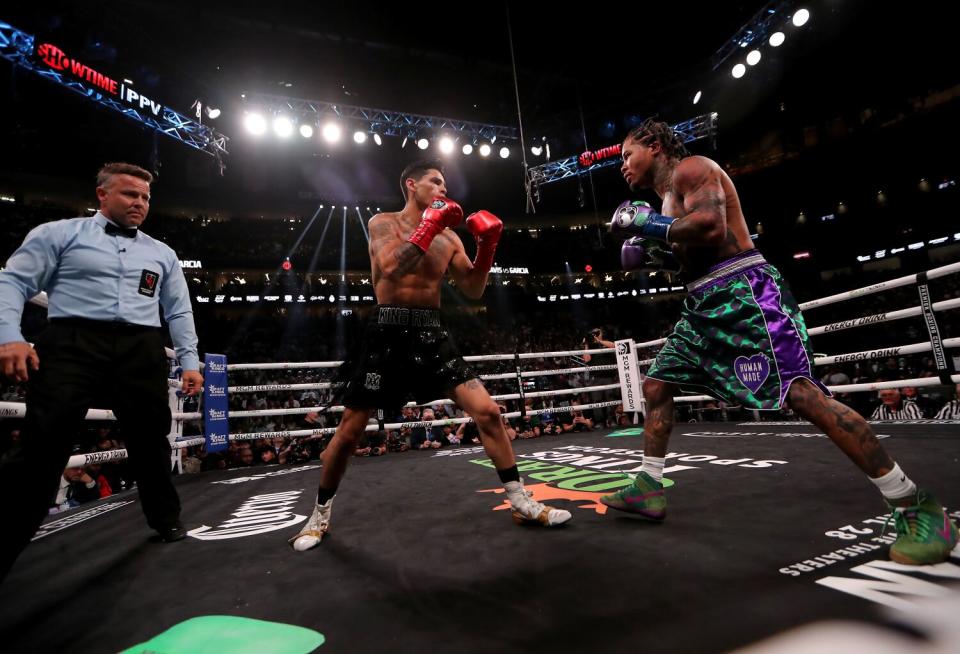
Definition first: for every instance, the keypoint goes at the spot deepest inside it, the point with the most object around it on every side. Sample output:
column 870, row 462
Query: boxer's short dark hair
column 418, row 169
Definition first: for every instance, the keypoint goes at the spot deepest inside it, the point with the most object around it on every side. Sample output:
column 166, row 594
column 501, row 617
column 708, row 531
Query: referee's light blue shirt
column 88, row 273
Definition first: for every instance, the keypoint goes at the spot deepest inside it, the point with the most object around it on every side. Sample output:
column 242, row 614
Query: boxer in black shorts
column 406, row 347
column 405, row 351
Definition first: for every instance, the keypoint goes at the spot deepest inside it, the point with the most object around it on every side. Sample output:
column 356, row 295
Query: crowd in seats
column 504, row 324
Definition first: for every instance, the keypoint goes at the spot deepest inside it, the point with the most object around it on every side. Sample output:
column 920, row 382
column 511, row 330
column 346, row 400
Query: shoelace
column 533, row 504
column 908, row 521
column 317, row 519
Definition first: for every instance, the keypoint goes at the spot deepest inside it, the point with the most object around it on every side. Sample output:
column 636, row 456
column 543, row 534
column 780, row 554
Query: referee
column 105, row 280
column 893, row 407
column 950, row 410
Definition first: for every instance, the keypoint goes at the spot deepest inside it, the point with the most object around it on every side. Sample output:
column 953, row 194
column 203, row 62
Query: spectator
column 468, row 434
column 245, row 457
column 433, row 436
column 76, row 488
column 103, row 485
column 267, row 456
column 581, row 422
column 835, row 377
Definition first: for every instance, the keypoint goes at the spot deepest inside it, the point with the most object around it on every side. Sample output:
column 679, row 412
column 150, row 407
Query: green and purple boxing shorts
column 740, row 337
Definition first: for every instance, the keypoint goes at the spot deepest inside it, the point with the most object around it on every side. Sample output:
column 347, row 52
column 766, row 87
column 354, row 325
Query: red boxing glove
column 486, row 229
column 441, row 213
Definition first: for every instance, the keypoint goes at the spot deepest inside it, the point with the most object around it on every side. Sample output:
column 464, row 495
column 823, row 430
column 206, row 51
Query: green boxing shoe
column 644, row 497
column 925, row 535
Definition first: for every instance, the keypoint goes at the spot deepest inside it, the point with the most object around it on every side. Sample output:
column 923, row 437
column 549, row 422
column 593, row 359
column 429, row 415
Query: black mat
column 418, row 560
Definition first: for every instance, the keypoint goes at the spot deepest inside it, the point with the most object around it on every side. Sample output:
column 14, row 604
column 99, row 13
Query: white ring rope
column 79, row 460
column 282, row 366
column 324, row 385
column 945, row 305
column 339, row 408
column 883, row 352
column 545, row 373
column 18, row 410
column 942, row 271
column 395, row 425
column 279, row 387
column 536, row 355
column 899, row 383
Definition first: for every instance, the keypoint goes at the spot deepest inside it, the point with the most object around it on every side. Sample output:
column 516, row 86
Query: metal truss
column 18, row 47
column 756, row 29
column 381, row 121
column 704, row 126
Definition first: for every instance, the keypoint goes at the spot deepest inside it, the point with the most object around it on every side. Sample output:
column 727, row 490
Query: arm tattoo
column 706, row 200
column 407, row 257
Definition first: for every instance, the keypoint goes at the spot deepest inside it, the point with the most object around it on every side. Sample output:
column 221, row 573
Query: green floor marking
column 227, row 634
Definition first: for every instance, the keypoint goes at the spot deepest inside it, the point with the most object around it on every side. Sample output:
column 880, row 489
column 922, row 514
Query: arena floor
column 769, row 527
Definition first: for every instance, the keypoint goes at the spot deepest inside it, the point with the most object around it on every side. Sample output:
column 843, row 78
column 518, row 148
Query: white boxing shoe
column 527, row 511
column 313, row 531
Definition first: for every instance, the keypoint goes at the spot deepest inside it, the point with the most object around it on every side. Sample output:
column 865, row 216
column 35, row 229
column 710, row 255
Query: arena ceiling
column 605, row 63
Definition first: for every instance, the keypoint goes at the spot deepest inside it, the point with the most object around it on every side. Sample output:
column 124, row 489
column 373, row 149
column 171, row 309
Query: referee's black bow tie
column 129, row 232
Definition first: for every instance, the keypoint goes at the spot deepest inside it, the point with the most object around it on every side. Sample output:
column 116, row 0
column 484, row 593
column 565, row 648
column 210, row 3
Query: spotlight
column 423, row 144
column 404, row 144
column 306, row 131
column 739, row 71
column 282, row 127
column 536, row 150
column 359, row 137
column 331, row 132
column 753, row 57
column 255, row 124
column 504, row 152
column 446, row 145
column 484, row 150
column 776, row 39
column 801, row 17
column 697, row 97
column 377, row 139
column 467, row 148
column 213, row 112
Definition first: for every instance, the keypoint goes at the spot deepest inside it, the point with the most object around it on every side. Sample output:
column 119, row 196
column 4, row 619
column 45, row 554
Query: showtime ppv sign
column 57, row 59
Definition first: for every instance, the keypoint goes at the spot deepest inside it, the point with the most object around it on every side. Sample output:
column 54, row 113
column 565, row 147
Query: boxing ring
column 770, row 527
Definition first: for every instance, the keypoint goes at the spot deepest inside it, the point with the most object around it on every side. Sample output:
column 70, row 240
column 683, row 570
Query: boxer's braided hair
column 654, row 130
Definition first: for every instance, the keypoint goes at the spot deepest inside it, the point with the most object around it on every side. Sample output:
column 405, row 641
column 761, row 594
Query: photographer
column 372, row 443
column 593, row 340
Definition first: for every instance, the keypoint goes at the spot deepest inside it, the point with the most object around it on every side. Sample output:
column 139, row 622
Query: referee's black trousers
column 82, row 361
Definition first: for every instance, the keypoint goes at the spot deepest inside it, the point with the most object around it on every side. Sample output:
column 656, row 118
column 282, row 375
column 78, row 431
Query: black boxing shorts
column 406, row 353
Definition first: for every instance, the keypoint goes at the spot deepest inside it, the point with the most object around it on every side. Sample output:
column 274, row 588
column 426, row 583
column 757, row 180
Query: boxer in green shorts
column 740, row 337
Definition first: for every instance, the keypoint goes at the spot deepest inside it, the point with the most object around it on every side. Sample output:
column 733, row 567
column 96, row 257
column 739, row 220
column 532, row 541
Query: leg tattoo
column 845, row 427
